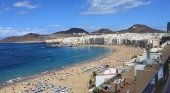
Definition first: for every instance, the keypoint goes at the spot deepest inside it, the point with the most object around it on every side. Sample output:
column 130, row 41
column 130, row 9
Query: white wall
column 138, row 67
column 102, row 79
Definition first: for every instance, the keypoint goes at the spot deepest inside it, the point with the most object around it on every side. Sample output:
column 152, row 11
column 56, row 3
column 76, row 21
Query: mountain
column 76, row 32
column 73, row 31
column 31, row 37
column 103, row 31
column 139, row 28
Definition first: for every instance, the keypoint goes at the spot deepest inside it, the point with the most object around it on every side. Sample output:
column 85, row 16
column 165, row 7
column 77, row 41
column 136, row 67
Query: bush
column 107, row 66
column 94, row 74
column 134, row 56
column 90, row 82
column 95, row 90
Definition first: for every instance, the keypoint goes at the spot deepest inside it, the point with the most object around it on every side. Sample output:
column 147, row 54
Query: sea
column 20, row 60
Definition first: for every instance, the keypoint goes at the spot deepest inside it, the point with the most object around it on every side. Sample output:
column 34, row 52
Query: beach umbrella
column 106, row 87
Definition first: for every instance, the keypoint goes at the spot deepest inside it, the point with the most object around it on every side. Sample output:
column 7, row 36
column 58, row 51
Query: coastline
column 71, row 67
column 61, row 68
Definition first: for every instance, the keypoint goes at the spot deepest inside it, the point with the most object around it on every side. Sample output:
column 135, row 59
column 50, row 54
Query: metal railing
column 151, row 86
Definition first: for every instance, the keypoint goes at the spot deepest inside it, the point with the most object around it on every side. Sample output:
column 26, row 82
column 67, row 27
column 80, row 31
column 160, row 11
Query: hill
column 31, row 37
column 103, row 31
column 77, row 32
column 73, row 31
column 139, row 28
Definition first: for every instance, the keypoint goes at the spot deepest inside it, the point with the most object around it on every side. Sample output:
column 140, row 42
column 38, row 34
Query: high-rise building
column 168, row 27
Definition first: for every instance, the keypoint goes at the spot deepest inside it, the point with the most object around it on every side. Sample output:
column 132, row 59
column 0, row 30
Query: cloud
column 9, row 31
column 6, row 31
column 1, row 28
column 112, row 6
column 54, row 25
column 25, row 4
column 24, row 12
column 4, row 9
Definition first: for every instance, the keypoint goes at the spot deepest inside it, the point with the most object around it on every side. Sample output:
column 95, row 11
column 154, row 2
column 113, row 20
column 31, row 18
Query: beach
column 74, row 79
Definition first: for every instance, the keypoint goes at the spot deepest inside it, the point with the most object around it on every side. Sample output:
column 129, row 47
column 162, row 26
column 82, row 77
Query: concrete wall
column 138, row 67
column 142, row 78
column 101, row 79
column 153, row 67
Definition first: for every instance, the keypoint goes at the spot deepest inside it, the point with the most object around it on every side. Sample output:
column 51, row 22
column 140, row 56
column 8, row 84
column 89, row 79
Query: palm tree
column 94, row 74
column 107, row 66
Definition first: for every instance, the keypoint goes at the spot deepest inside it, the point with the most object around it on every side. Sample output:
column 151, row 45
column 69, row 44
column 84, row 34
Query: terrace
column 152, row 78
column 120, row 83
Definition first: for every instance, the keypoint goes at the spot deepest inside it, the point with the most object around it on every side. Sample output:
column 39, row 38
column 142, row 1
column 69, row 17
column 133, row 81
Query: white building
column 54, row 40
column 106, row 75
column 152, row 38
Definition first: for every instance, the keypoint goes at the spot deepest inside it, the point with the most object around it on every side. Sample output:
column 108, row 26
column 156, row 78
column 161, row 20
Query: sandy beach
column 74, row 79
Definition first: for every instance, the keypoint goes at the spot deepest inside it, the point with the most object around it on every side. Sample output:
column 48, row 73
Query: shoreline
column 63, row 67
column 75, row 72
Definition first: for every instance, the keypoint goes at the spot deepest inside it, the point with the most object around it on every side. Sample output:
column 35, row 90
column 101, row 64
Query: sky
column 19, row 17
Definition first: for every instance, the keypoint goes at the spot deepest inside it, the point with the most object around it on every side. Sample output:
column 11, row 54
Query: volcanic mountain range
column 137, row 28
